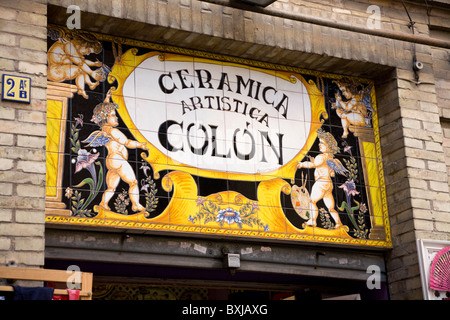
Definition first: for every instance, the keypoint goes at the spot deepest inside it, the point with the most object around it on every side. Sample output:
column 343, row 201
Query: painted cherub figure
column 116, row 143
column 325, row 168
column 66, row 60
column 353, row 111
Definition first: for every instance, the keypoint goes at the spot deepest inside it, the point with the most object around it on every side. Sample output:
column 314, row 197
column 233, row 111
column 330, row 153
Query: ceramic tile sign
column 16, row 88
column 162, row 139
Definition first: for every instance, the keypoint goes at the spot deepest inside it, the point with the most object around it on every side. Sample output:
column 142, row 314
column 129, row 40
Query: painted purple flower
column 349, row 188
column 255, row 206
column 229, row 215
column 79, row 120
column 85, row 160
column 200, row 201
column 348, row 149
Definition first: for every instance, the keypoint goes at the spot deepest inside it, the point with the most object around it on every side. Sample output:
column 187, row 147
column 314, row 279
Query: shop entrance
column 143, row 282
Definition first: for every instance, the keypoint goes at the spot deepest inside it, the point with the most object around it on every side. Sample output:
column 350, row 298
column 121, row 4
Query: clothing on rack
column 73, row 295
column 33, row 293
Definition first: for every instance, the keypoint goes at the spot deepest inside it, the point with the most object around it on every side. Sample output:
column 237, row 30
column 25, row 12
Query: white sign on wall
column 218, row 117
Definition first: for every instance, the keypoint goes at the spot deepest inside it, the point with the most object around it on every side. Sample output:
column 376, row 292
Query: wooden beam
column 51, row 275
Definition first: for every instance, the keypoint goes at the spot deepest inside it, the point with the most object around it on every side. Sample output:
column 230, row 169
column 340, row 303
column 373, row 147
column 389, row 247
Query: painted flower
column 145, row 167
column 145, row 186
column 348, row 149
column 255, row 206
column 69, row 193
column 79, row 120
column 363, row 208
column 229, row 215
column 123, row 198
column 349, row 188
column 85, row 160
column 200, row 201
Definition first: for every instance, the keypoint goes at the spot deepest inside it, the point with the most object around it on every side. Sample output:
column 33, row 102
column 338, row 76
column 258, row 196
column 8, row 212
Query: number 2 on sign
column 10, row 93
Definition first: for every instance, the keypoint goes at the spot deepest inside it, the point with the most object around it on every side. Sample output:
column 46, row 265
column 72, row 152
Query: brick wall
column 418, row 198
column 446, row 145
column 23, row 46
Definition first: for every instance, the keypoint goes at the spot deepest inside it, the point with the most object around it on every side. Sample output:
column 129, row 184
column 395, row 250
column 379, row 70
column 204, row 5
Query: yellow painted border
column 54, row 116
column 204, row 230
column 381, row 179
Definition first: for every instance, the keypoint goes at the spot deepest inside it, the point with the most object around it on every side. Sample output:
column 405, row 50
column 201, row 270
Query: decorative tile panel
column 163, row 139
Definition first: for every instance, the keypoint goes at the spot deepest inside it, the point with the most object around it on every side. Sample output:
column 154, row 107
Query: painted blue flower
column 229, row 215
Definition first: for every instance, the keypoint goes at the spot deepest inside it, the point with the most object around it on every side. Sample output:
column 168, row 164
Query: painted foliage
column 145, row 136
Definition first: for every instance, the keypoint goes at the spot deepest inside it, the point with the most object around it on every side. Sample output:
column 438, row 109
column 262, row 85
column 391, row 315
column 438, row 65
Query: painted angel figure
column 356, row 110
column 66, row 60
column 116, row 143
column 326, row 166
